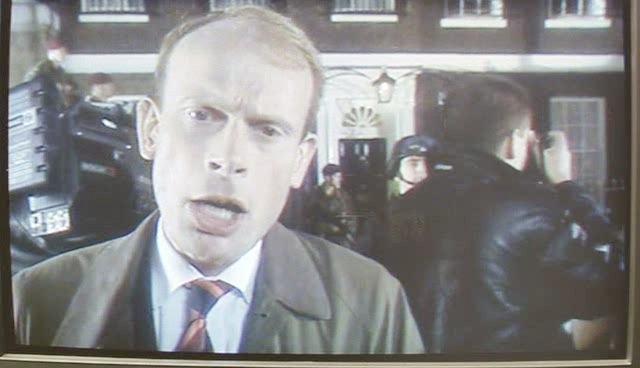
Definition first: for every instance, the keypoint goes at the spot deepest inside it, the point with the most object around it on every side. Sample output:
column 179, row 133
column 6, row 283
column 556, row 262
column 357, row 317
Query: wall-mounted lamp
column 384, row 86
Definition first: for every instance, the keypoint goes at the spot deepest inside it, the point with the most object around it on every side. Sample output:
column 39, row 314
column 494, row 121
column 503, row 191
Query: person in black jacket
column 492, row 260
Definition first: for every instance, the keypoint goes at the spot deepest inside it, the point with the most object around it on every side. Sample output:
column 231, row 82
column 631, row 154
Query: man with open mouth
column 229, row 131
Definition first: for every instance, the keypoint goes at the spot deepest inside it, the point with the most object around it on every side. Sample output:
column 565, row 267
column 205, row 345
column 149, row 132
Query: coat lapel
column 288, row 285
column 102, row 312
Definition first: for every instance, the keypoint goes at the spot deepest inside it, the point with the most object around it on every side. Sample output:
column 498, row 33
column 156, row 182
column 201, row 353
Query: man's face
column 227, row 143
column 336, row 180
column 103, row 91
column 58, row 55
column 413, row 169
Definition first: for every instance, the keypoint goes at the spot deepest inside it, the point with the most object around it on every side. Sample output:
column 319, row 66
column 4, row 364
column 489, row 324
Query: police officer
column 409, row 164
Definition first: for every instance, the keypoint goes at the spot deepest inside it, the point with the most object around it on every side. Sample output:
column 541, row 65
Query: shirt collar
column 241, row 274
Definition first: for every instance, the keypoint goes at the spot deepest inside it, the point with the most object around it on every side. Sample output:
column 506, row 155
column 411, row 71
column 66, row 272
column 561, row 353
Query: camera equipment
column 75, row 177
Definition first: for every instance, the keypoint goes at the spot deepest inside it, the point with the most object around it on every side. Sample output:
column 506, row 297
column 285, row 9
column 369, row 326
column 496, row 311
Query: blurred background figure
column 409, row 163
column 493, row 261
column 412, row 162
column 51, row 68
column 52, row 65
column 330, row 210
column 101, row 88
column 71, row 93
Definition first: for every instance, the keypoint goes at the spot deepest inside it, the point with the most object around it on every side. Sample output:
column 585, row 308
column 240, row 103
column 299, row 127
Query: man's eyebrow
column 266, row 120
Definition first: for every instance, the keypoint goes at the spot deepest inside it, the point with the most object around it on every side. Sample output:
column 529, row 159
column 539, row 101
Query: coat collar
column 288, row 284
column 290, row 274
column 478, row 165
column 103, row 313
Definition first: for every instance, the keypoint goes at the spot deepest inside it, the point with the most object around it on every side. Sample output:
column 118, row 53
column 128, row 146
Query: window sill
column 473, row 22
column 577, row 22
column 364, row 18
column 113, row 18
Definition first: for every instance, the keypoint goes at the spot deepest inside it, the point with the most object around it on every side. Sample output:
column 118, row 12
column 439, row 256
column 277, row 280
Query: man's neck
column 177, row 267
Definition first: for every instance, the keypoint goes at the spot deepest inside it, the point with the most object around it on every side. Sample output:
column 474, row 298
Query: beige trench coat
column 310, row 297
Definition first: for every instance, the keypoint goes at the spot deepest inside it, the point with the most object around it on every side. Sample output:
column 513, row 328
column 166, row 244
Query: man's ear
column 147, row 119
column 513, row 142
column 508, row 148
column 306, row 151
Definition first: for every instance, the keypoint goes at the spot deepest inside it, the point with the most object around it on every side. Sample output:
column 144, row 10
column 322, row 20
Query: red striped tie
column 202, row 295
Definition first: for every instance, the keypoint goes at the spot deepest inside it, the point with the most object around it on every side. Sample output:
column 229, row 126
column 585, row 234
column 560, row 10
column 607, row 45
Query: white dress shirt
column 170, row 271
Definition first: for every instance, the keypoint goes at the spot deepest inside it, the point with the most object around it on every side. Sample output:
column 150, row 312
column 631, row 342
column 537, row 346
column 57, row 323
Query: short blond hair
column 275, row 23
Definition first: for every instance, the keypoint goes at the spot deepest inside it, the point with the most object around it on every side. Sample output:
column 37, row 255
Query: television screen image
column 320, row 182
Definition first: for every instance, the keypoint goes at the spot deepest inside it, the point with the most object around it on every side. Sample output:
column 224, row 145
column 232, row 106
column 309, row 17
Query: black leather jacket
column 493, row 261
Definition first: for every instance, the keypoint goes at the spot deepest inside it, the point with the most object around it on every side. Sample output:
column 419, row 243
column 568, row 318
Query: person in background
column 493, row 261
column 331, row 210
column 101, row 88
column 51, row 68
column 410, row 164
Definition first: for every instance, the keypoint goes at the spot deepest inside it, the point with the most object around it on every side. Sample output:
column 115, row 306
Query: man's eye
column 269, row 131
column 199, row 115
column 203, row 115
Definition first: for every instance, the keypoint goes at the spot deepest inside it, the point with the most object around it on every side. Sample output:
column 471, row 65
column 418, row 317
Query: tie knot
column 215, row 288
column 203, row 294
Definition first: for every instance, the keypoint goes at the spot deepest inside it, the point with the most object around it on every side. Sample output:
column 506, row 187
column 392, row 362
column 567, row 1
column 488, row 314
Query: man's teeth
column 220, row 213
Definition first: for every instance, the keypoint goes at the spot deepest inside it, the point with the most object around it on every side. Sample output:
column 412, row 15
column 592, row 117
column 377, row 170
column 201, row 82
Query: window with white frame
column 473, row 8
column 113, row 11
column 364, row 6
column 473, row 14
column 223, row 4
column 364, row 11
column 577, row 14
column 112, row 6
column 582, row 119
column 580, row 8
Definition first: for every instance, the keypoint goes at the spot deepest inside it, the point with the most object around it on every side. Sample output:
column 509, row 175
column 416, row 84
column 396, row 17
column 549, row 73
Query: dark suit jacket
column 310, row 297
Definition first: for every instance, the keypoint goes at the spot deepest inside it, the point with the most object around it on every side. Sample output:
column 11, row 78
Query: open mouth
column 223, row 207
column 218, row 215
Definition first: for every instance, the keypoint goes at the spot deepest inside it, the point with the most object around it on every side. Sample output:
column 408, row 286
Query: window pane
column 365, row 6
column 484, row 7
column 222, row 4
column 597, row 8
column 342, row 5
column 572, row 7
column 556, row 7
column 496, row 8
column 470, row 7
column 112, row 6
column 582, row 120
column 454, row 8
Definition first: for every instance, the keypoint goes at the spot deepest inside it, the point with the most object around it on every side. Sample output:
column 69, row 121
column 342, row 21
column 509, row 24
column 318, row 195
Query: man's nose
column 227, row 155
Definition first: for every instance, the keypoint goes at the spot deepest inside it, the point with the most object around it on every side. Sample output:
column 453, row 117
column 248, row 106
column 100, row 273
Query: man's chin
column 212, row 252
column 209, row 262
